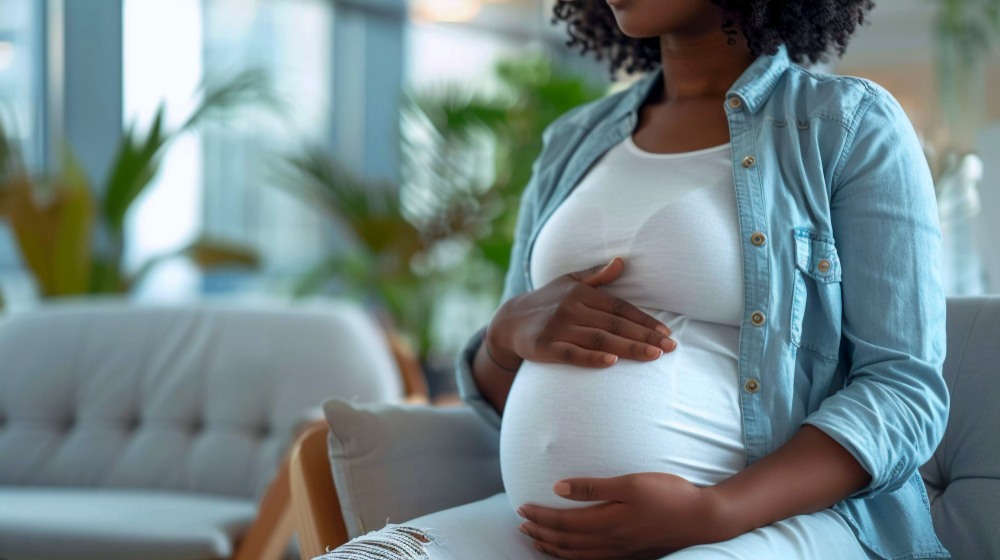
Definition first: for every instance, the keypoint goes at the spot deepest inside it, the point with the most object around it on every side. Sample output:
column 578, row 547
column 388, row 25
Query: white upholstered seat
column 197, row 400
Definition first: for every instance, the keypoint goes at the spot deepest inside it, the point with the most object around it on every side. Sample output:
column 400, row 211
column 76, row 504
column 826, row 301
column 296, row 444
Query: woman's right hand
column 570, row 321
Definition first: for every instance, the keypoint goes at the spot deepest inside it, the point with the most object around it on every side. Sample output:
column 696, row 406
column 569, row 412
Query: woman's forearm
column 493, row 382
column 809, row 473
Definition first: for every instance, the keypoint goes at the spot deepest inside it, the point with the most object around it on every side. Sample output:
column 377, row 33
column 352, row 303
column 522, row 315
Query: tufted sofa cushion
column 963, row 477
column 200, row 399
column 84, row 524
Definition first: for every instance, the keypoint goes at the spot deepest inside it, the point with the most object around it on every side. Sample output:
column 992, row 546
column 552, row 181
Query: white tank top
column 673, row 219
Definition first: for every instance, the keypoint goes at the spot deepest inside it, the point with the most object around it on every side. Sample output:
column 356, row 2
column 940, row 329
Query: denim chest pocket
column 816, row 296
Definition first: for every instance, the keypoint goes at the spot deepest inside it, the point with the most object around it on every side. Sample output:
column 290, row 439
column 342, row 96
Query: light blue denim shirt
column 844, row 320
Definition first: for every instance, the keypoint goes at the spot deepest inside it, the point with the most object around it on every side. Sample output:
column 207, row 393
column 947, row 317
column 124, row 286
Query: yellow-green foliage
column 54, row 216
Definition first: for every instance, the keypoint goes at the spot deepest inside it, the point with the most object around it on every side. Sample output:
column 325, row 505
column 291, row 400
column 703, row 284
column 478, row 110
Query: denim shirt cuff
column 467, row 387
column 846, row 435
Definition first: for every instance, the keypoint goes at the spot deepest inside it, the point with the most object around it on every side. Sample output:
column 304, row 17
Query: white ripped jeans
column 487, row 530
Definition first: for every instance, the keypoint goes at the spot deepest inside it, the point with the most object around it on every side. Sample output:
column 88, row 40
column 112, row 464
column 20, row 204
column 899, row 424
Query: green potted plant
column 55, row 217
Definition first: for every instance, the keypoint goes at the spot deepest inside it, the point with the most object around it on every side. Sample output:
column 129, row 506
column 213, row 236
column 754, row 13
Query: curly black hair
column 808, row 28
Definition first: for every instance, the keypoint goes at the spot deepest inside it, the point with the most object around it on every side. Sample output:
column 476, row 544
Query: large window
column 162, row 64
column 22, row 101
column 291, row 40
column 21, row 76
column 220, row 183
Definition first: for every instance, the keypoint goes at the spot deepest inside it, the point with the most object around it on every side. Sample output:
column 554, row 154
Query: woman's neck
column 701, row 64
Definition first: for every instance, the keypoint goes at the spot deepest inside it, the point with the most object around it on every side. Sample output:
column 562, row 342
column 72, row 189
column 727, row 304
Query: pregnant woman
column 722, row 331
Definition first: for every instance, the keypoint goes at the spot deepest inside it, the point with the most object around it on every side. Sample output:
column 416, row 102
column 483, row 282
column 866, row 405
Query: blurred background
column 183, row 150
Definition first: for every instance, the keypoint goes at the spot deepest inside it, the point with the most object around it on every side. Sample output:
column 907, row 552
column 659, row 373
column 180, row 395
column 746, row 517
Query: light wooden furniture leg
column 316, row 507
column 272, row 529
column 306, row 473
column 414, row 380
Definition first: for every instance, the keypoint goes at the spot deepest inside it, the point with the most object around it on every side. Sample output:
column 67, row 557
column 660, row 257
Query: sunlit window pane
column 162, row 64
column 21, row 73
column 291, row 39
column 22, row 102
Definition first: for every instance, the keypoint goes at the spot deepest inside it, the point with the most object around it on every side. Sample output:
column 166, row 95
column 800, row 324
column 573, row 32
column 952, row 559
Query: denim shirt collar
column 752, row 87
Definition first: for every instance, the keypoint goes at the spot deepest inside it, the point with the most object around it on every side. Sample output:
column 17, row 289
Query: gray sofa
column 152, row 432
column 963, row 477
column 398, row 463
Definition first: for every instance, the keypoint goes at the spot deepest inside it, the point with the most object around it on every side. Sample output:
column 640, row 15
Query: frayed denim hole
column 392, row 542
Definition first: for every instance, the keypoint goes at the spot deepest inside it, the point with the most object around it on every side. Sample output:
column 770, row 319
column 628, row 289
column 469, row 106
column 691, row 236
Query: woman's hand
column 645, row 516
column 649, row 515
column 570, row 321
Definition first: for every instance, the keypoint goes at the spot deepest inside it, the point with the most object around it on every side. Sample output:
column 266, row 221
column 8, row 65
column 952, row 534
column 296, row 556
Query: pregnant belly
column 678, row 414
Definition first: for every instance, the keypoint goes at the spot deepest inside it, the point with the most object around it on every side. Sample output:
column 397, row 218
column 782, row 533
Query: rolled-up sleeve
column 892, row 412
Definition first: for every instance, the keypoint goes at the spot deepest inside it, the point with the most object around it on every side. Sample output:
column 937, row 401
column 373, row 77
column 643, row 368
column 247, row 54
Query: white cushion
column 399, row 462
column 60, row 523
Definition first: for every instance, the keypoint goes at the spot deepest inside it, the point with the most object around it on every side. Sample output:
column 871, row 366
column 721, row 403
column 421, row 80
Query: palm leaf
column 54, row 234
column 10, row 156
column 135, row 165
column 253, row 87
column 138, row 159
column 207, row 254
column 106, row 276
column 354, row 269
column 453, row 110
column 370, row 209
column 71, row 250
column 317, row 178
column 35, row 228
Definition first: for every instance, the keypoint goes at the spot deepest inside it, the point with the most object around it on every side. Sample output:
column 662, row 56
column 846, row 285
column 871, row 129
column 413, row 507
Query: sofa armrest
column 396, row 462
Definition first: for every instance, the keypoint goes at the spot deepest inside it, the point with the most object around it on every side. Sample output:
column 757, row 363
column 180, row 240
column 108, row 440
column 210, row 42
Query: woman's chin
column 634, row 26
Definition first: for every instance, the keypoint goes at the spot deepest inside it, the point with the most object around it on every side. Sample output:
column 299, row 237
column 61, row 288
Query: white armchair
column 153, row 432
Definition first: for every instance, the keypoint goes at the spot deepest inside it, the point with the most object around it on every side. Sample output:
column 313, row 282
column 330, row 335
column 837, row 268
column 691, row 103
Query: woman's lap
column 487, row 530
column 816, row 536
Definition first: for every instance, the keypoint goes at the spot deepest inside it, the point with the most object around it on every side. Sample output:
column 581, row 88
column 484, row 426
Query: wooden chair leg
column 272, row 529
column 412, row 374
column 315, row 504
column 302, row 496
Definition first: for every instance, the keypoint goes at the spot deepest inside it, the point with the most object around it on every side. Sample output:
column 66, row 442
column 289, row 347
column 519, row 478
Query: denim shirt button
column 752, row 385
column 748, row 161
column 758, row 238
column 735, row 102
column 757, row 318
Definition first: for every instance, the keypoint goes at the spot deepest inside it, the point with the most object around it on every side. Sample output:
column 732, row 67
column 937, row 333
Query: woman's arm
column 809, row 473
column 892, row 412
column 494, row 383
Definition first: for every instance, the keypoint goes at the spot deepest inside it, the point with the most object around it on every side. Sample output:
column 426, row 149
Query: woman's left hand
column 642, row 516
